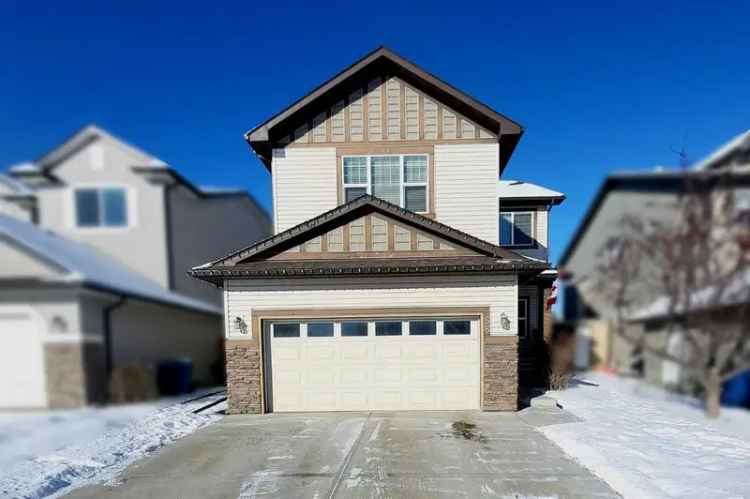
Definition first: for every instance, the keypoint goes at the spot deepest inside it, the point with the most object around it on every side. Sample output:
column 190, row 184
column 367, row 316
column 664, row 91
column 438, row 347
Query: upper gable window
column 101, row 207
column 401, row 180
column 517, row 228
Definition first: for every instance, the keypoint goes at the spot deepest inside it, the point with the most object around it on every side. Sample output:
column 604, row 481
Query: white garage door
column 382, row 364
column 22, row 381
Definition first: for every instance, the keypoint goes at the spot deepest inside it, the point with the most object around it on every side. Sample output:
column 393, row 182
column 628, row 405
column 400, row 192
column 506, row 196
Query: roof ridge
column 423, row 222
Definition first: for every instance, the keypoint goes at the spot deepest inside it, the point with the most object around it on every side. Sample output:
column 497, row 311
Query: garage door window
column 456, row 327
column 286, row 330
column 353, row 328
column 388, row 328
column 422, row 328
column 320, row 329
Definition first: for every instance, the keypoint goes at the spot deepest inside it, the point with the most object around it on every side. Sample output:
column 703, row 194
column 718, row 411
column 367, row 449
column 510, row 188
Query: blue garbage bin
column 175, row 376
column 736, row 392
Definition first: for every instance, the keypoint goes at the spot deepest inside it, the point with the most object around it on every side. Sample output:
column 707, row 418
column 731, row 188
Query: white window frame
column 525, row 300
column 130, row 211
column 513, row 232
column 402, row 184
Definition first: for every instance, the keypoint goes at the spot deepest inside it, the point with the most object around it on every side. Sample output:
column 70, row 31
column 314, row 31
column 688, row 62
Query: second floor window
column 401, row 180
column 101, row 207
column 517, row 228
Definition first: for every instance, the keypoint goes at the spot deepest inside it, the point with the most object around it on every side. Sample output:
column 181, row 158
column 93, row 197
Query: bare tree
column 690, row 277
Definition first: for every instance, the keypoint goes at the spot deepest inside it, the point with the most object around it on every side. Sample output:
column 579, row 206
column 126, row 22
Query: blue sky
column 599, row 86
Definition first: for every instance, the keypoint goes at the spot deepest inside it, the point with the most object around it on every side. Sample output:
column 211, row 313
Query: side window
column 523, row 317
column 101, row 207
column 517, row 228
column 355, row 177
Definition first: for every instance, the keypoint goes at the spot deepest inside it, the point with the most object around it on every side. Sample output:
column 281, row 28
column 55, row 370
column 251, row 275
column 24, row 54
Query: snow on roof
column 518, row 189
column 91, row 268
column 25, row 167
column 18, row 188
column 740, row 141
column 734, row 293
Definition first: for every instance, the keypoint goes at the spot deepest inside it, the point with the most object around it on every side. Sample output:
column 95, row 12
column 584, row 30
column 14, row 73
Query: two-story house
column 402, row 273
column 649, row 195
column 96, row 239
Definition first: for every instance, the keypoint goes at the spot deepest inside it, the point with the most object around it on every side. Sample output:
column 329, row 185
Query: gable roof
column 252, row 260
column 47, row 162
column 381, row 59
column 87, row 267
column 518, row 190
column 738, row 147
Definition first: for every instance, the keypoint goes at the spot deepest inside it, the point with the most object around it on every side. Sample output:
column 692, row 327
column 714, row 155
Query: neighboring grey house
column 652, row 195
column 402, row 275
column 96, row 238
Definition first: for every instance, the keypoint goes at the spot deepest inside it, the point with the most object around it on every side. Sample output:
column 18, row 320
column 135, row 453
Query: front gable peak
column 384, row 97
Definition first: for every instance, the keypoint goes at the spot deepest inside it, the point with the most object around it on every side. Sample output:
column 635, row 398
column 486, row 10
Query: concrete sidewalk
column 404, row 454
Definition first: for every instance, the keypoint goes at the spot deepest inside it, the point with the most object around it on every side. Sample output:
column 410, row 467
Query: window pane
column 457, row 327
column 416, row 198
column 415, row 168
column 353, row 193
column 422, row 328
column 87, row 207
column 522, row 229
column 506, row 228
column 386, row 182
column 290, row 330
column 115, row 212
column 354, row 328
column 355, row 170
column 522, row 307
column 319, row 329
column 523, row 328
column 388, row 328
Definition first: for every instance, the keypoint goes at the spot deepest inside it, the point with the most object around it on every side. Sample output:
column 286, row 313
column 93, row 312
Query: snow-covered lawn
column 647, row 443
column 45, row 454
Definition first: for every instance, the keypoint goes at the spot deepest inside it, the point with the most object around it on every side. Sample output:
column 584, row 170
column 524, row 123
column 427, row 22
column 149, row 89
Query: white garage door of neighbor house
column 22, row 383
column 378, row 364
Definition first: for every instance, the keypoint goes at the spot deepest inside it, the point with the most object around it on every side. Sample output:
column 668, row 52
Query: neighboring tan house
column 397, row 275
column 653, row 195
column 96, row 239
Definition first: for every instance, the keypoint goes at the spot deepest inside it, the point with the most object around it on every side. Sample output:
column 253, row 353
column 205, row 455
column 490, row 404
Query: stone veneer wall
column 500, row 373
column 75, row 374
column 243, row 377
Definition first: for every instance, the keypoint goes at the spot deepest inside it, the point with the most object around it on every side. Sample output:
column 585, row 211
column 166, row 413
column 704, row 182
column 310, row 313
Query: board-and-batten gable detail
column 372, row 236
column 386, row 109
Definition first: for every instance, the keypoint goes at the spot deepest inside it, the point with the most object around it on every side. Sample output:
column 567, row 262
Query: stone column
column 244, row 388
column 500, row 373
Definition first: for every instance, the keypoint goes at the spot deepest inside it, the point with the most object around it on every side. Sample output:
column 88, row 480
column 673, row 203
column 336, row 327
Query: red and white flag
column 552, row 299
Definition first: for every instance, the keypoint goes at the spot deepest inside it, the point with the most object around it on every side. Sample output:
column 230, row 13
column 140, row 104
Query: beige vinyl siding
column 499, row 293
column 466, row 177
column 304, row 184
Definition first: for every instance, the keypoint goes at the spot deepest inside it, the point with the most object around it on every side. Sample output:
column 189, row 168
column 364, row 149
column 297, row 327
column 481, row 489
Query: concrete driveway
column 405, row 454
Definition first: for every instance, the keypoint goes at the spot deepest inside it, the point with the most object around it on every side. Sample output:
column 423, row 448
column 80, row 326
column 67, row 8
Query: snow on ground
column 648, row 444
column 46, row 454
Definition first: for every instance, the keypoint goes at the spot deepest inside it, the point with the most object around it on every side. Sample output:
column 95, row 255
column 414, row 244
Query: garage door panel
column 355, row 376
column 321, row 353
column 22, row 373
column 425, row 372
column 321, row 376
column 392, row 375
column 355, row 352
column 422, row 375
column 386, row 351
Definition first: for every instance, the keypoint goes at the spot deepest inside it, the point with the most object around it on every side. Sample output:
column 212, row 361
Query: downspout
column 168, row 231
column 107, row 318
